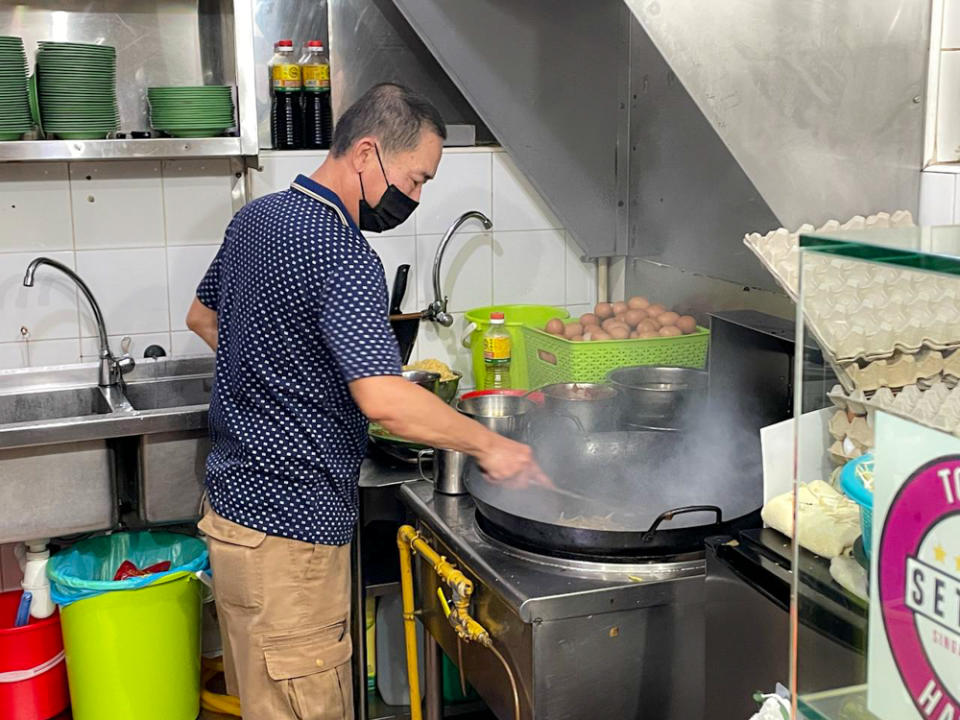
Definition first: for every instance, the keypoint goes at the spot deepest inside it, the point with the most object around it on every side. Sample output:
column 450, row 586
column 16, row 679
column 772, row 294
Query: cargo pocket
column 237, row 567
column 314, row 667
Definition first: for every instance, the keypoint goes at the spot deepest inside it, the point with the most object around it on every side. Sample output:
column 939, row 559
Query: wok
column 623, row 494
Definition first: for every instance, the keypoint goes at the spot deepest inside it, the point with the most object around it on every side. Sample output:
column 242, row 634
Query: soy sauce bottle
column 286, row 119
column 317, row 112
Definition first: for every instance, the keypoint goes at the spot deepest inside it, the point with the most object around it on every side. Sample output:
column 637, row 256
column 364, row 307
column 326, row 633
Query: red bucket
column 26, row 649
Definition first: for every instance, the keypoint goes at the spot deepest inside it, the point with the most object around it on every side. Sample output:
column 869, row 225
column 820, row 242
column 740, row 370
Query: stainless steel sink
column 52, row 404
column 67, row 448
column 169, row 392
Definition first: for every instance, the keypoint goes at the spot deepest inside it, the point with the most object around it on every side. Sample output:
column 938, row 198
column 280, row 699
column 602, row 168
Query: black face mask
column 394, row 206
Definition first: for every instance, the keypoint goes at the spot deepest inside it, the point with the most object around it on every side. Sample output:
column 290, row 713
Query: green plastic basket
column 552, row 359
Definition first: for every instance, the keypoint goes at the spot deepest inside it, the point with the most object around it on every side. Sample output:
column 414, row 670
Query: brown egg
column 555, row 327
column 648, row 334
column 634, row 335
column 609, row 322
column 670, row 331
column 577, row 338
column 668, row 318
column 638, row 302
column 600, row 335
column 687, row 324
column 604, row 310
column 572, row 330
column 648, row 325
column 656, row 309
column 619, row 307
column 620, row 332
column 588, row 319
column 633, row 317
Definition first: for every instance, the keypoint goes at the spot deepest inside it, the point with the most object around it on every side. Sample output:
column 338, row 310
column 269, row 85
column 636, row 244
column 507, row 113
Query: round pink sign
column 919, row 586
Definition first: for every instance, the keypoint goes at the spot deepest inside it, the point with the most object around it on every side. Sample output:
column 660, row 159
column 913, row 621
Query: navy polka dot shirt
column 301, row 303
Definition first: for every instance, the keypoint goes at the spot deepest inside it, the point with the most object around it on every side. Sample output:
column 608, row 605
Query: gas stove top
column 539, row 586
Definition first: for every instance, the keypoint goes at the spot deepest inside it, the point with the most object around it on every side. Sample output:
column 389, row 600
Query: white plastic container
column 392, row 652
column 35, row 579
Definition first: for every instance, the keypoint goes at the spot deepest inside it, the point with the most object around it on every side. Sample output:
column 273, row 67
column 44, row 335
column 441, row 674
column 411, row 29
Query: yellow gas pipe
column 468, row 629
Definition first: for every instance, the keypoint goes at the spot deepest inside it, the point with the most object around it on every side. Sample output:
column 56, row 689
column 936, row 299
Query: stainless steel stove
column 584, row 638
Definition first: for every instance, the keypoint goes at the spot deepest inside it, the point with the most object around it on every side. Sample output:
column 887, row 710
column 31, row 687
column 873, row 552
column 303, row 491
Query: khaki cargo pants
column 284, row 611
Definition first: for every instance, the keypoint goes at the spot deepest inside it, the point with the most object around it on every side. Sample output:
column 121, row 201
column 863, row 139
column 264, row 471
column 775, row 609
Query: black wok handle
column 399, row 289
column 671, row 514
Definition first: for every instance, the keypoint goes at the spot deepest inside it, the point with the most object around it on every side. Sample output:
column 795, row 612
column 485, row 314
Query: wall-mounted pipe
column 603, row 280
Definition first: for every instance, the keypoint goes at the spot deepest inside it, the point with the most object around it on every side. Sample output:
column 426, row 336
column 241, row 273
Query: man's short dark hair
column 393, row 114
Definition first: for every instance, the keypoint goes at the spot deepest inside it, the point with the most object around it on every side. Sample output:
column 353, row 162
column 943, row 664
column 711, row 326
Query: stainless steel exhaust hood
column 667, row 129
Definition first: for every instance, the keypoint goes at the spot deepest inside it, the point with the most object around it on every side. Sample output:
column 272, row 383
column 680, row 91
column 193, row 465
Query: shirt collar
column 312, row 187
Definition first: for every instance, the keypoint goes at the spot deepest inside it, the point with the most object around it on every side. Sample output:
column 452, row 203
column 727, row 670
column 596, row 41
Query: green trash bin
column 132, row 646
column 514, row 317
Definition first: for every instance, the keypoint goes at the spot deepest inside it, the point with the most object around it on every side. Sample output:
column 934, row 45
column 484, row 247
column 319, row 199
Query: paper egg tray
column 852, row 436
column 902, row 369
column 862, row 311
column 936, row 405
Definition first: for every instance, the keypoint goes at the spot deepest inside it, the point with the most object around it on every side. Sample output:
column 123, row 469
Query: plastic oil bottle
column 317, row 111
column 286, row 117
column 496, row 354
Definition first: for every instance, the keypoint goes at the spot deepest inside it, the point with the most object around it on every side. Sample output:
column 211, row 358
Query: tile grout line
column 76, row 258
column 166, row 251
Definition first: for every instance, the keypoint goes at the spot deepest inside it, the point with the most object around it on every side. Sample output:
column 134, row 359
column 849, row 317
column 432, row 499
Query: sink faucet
column 112, row 368
column 438, row 308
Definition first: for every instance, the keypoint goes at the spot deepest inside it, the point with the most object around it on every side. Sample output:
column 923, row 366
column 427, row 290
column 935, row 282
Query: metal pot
column 449, row 470
column 427, row 380
column 659, row 396
column 504, row 414
column 594, row 407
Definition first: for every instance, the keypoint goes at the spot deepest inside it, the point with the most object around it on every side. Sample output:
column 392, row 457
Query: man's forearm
column 204, row 322
column 409, row 411
column 208, row 335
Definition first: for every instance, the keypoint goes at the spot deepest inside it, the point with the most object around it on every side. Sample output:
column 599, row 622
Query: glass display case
column 875, row 502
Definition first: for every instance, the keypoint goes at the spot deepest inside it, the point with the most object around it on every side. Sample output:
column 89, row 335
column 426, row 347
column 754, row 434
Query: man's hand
column 511, row 463
column 407, row 410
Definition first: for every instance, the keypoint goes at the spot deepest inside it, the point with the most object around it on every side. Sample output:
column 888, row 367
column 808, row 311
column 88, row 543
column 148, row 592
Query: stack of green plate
column 77, row 89
column 14, row 106
column 204, row 111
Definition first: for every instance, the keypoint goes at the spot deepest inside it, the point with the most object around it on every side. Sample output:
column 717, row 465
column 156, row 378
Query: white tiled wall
column 526, row 258
column 142, row 234
column 942, row 143
column 939, row 197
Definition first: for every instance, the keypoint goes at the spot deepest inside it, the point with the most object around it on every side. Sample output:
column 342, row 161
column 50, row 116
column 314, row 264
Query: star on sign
column 939, row 553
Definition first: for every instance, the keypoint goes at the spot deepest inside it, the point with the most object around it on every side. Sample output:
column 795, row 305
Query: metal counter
column 582, row 638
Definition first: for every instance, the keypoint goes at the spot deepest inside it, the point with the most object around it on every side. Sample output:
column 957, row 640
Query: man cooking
column 295, row 305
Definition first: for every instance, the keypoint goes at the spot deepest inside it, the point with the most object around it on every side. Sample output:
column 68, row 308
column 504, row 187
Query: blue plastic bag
column 87, row 569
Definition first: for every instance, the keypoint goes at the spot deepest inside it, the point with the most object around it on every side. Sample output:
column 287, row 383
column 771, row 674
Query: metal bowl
column 593, row 406
column 504, row 414
column 447, row 389
column 659, row 396
column 427, row 380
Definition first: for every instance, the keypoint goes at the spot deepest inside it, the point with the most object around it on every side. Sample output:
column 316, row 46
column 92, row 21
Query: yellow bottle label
column 496, row 348
column 316, row 77
column 286, row 76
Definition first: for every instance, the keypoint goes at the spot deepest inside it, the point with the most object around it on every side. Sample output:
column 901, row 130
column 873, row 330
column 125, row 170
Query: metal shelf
column 381, row 589
column 157, row 148
column 377, row 709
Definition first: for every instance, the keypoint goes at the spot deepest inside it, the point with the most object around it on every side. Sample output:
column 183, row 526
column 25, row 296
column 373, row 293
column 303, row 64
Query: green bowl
column 189, row 88
column 34, row 101
column 76, row 48
column 196, row 133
